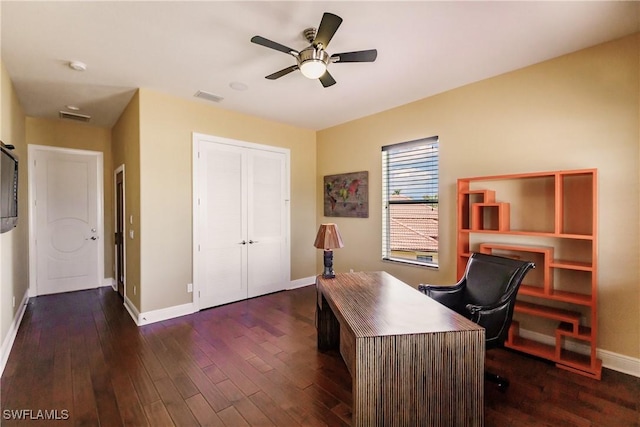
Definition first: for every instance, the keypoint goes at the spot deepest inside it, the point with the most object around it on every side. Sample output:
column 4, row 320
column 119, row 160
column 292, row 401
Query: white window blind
column 410, row 202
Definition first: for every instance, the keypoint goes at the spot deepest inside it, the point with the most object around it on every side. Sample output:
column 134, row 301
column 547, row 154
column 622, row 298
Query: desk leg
column 328, row 327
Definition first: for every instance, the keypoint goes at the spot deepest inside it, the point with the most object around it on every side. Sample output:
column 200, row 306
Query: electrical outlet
column 135, row 289
column 189, row 287
column 351, row 270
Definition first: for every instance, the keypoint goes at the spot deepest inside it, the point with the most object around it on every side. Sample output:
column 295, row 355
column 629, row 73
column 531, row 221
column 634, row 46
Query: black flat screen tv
column 8, row 189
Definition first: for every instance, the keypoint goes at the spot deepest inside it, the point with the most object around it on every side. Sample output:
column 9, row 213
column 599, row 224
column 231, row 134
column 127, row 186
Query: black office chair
column 486, row 294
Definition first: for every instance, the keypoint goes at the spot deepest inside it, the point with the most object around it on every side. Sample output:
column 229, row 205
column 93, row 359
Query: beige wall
column 125, row 136
column 166, row 127
column 14, row 244
column 81, row 136
column 577, row 111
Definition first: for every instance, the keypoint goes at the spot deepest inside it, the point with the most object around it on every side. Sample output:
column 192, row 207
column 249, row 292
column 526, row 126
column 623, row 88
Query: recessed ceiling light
column 238, row 86
column 72, row 107
column 77, row 65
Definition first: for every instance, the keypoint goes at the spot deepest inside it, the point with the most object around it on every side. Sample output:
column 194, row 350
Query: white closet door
column 222, row 224
column 241, row 220
column 267, row 222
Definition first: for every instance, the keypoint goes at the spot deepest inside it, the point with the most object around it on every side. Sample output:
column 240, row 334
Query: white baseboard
column 154, row 316
column 7, row 344
column 108, row 281
column 131, row 308
column 165, row 313
column 300, row 283
column 617, row 362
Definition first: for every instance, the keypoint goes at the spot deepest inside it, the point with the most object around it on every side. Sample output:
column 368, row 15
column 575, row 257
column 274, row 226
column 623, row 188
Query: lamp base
column 328, row 265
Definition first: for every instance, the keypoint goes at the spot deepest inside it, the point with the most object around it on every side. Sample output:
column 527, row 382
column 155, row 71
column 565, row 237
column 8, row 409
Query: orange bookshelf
column 549, row 218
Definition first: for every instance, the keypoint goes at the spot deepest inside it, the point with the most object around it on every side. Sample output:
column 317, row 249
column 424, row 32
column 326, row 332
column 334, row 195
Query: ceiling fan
column 313, row 60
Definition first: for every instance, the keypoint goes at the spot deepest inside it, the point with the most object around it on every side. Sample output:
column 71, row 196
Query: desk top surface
column 378, row 304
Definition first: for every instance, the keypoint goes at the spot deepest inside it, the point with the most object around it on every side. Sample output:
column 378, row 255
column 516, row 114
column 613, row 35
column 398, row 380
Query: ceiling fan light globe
column 313, row 68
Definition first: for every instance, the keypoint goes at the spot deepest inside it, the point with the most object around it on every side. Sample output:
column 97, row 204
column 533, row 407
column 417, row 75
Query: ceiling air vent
column 74, row 116
column 208, row 95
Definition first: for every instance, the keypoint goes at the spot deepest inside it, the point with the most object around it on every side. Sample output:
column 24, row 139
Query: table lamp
column 328, row 238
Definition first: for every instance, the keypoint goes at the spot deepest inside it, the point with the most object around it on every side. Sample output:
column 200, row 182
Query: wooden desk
column 413, row 361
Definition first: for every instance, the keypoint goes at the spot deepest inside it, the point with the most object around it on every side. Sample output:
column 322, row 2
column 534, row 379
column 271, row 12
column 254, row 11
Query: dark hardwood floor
column 79, row 357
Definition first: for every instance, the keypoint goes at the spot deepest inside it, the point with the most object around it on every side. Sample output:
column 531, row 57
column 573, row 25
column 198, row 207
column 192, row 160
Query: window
column 410, row 202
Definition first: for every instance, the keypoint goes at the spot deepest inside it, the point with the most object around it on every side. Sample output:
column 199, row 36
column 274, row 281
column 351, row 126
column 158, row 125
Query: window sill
column 409, row 262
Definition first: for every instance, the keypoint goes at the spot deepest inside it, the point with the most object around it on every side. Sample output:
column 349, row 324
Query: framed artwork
column 347, row 195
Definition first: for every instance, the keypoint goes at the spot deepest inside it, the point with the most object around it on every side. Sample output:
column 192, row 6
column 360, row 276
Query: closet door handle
column 253, row 241
column 244, row 242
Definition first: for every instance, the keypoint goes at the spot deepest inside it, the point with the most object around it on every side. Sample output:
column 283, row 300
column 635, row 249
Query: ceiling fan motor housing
column 313, row 62
column 313, row 54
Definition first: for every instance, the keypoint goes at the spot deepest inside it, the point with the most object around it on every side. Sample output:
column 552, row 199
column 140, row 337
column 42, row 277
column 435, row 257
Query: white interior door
column 241, row 220
column 222, row 230
column 67, row 207
column 267, row 222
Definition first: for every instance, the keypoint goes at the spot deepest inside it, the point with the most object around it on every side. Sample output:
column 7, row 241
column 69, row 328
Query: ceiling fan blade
column 281, row 73
column 359, row 56
column 271, row 44
column 328, row 27
column 327, row 80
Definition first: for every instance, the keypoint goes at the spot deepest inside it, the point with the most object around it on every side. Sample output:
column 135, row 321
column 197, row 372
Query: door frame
column 197, row 138
column 120, row 169
column 32, row 150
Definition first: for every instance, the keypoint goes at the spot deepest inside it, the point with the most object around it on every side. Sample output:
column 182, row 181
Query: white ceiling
column 181, row 47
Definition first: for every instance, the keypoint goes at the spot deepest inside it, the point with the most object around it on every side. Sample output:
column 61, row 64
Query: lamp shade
column 328, row 237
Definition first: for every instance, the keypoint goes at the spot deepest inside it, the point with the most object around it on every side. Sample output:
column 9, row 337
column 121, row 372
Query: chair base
column 502, row 382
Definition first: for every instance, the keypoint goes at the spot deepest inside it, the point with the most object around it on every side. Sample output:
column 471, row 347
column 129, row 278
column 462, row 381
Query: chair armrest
column 494, row 319
column 485, row 310
column 449, row 296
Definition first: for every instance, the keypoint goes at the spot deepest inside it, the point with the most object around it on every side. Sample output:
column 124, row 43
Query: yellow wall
column 14, row 244
column 126, row 151
column 166, row 127
column 576, row 111
column 81, row 136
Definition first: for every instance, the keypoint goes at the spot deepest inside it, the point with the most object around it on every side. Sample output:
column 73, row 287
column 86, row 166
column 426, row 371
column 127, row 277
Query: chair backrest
column 489, row 277
column 489, row 280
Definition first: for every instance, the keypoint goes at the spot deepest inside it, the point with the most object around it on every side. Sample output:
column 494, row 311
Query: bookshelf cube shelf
column 549, row 218
column 490, row 216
